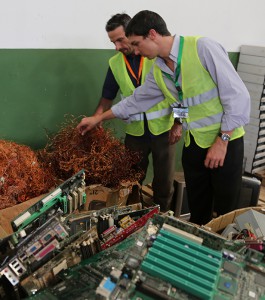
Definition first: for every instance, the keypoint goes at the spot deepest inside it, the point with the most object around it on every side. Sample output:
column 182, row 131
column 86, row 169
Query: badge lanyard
column 131, row 70
column 177, row 85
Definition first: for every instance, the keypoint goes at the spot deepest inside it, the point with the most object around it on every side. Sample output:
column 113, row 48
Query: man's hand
column 216, row 154
column 88, row 123
column 175, row 133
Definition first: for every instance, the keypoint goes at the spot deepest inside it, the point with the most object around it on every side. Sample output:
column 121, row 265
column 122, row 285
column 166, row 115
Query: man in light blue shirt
column 218, row 106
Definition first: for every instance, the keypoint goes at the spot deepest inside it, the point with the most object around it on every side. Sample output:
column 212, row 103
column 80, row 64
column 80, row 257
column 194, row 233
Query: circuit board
column 60, row 252
column 54, row 235
column 165, row 261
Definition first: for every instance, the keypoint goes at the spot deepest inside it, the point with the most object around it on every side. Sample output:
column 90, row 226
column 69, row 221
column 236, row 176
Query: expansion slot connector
column 185, row 264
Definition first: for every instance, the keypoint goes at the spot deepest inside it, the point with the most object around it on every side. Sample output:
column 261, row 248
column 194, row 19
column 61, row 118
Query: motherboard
column 165, row 260
column 56, row 233
column 60, row 251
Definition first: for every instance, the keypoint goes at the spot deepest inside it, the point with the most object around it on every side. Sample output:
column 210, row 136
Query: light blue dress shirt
column 233, row 93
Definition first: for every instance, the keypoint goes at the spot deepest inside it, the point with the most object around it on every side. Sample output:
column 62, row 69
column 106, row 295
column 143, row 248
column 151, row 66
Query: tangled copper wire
column 104, row 158
column 22, row 177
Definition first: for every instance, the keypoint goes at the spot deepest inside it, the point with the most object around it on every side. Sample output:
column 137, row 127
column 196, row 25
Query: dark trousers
column 163, row 155
column 211, row 190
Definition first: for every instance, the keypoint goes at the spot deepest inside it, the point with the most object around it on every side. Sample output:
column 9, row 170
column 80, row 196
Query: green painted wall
column 234, row 57
column 38, row 87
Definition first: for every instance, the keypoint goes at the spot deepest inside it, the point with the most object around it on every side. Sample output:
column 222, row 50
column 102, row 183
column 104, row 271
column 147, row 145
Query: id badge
column 180, row 112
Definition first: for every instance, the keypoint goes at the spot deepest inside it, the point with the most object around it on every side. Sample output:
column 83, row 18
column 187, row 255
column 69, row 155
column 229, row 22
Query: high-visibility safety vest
column 159, row 117
column 200, row 95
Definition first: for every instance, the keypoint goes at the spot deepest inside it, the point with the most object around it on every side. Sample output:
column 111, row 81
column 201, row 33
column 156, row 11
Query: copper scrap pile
column 104, row 158
column 22, row 177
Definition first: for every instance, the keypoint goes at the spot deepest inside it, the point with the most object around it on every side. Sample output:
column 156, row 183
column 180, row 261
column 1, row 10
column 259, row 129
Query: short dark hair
column 145, row 20
column 116, row 21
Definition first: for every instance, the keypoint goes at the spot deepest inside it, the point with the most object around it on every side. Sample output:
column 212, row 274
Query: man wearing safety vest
column 147, row 132
column 207, row 96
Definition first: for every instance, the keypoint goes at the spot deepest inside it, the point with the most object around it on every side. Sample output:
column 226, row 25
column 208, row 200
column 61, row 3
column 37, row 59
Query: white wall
column 80, row 23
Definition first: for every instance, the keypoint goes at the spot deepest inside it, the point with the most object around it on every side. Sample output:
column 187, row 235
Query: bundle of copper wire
column 22, row 176
column 104, row 158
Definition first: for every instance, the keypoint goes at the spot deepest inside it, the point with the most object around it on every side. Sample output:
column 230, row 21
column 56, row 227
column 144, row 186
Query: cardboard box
column 98, row 196
column 219, row 224
column 9, row 213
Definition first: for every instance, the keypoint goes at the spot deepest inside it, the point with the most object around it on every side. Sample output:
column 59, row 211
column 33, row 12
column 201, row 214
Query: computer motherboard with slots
column 59, row 251
column 167, row 259
column 55, row 234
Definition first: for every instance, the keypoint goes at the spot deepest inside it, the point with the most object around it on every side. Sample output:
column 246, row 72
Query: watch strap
column 178, row 121
column 224, row 136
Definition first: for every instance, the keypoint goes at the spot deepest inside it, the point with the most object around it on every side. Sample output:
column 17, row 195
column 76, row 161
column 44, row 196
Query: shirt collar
column 175, row 49
column 172, row 55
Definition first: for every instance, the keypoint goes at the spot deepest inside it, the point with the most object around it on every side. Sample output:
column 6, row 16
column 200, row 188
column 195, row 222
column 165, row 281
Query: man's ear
column 152, row 34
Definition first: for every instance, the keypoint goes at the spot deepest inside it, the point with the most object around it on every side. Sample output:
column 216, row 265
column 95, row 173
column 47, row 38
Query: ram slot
column 185, row 264
column 51, row 196
column 21, row 219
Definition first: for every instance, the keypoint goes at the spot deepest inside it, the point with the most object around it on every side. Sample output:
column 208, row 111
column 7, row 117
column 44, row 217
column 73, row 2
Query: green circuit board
column 163, row 261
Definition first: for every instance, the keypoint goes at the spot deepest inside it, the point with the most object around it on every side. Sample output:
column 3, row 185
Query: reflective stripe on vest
column 152, row 115
column 205, row 121
column 199, row 99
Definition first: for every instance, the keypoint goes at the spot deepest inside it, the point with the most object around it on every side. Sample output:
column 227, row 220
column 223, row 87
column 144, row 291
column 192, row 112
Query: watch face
column 225, row 137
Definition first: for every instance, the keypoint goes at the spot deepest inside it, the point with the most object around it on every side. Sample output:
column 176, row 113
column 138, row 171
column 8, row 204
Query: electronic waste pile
column 125, row 252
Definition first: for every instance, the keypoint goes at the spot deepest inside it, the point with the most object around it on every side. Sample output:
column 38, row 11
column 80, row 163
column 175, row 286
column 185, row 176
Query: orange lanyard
column 131, row 71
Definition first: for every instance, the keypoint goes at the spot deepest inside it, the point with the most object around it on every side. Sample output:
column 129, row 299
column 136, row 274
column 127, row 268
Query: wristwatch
column 224, row 136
